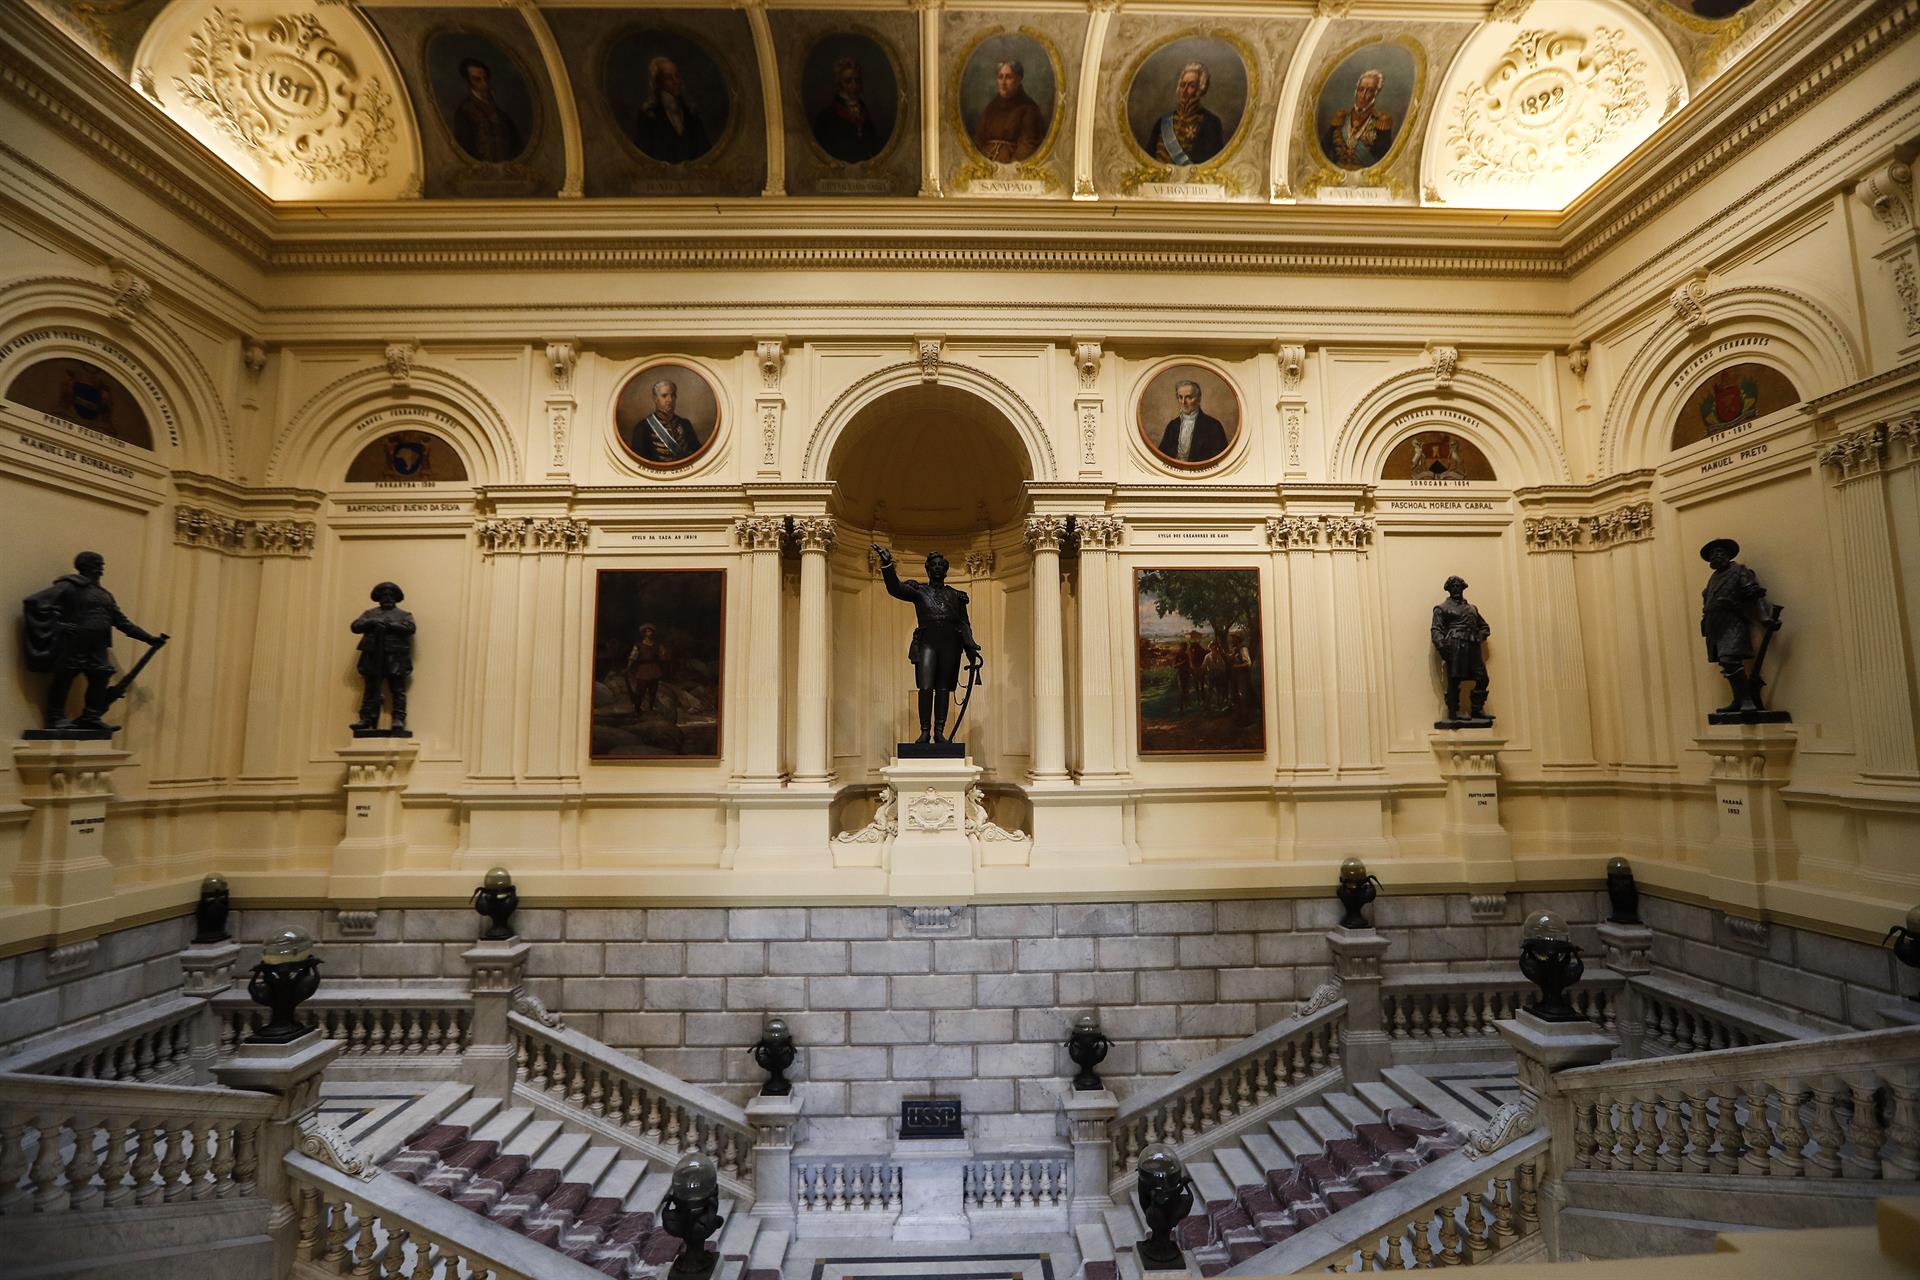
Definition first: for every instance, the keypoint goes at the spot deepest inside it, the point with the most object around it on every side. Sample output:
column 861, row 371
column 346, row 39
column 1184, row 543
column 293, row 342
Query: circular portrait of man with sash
column 666, row 415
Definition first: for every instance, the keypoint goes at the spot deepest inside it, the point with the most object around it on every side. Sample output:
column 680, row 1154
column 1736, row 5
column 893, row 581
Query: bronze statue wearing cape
column 69, row 634
column 942, row 632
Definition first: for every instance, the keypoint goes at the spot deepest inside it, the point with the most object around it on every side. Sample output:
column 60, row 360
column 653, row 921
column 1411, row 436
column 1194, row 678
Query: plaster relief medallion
column 669, row 94
column 1363, row 111
column 658, row 644
column 483, row 96
column 1731, row 398
column 1200, row 674
column 931, row 811
column 1436, row 458
column 407, row 459
column 1188, row 416
column 852, row 92
column 1550, row 114
column 666, row 415
column 295, row 103
column 1185, row 111
column 82, row 394
column 1007, row 90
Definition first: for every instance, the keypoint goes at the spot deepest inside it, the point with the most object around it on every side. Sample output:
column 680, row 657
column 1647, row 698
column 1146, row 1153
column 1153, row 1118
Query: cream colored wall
column 1599, row 680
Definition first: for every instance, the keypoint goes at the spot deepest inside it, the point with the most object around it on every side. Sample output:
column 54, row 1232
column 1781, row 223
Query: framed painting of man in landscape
column 1199, row 686
column 658, row 644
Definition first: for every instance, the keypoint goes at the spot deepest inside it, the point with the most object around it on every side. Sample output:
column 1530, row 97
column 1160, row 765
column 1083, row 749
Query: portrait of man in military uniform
column 941, row 633
column 1187, row 99
column 666, row 415
column 1362, row 104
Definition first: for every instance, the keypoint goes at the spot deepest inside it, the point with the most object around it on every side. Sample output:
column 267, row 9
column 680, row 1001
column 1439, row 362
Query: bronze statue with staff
column 941, row 634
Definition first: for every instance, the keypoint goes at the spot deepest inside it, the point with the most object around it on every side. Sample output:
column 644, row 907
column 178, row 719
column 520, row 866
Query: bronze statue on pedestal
column 941, row 634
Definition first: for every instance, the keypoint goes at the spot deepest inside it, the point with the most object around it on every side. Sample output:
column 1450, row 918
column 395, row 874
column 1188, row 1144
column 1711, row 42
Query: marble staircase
column 1264, row 1186
column 562, row 1187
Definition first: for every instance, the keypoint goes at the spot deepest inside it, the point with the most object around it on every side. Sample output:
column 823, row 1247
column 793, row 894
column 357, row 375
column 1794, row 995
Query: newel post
column 496, row 971
column 291, row 1072
column 1089, row 1114
column 776, row 1127
column 1364, row 1049
column 1541, row 1048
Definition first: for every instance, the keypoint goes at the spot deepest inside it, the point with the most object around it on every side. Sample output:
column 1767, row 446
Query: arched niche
column 406, row 457
column 1785, row 329
column 1435, row 454
column 879, row 464
column 82, row 394
column 341, row 420
column 1482, row 411
column 1005, row 403
column 1731, row 396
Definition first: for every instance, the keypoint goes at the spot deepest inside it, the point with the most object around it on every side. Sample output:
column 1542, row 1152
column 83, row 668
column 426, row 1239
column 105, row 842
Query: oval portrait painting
column 81, row 392
column 1187, row 100
column 1361, row 106
column 666, row 415
column 1008, row 96
column 483, row 96
column 850, row 90
column 1188, row 416
column 669, row 95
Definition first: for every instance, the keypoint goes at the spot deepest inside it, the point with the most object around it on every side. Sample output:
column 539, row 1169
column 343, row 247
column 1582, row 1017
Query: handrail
column 1455, row 1221
column 24, row 1092
column 1689, row 1016
column 1895, row 1047
column 134, row 1046
column 1449, row 1006
column 408, row 1021
column 640, row 1100
column 1226, row 1093
column 383, row 1225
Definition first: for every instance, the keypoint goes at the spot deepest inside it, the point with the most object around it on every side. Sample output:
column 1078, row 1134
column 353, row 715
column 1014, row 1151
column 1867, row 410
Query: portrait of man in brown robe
column 1011, row 128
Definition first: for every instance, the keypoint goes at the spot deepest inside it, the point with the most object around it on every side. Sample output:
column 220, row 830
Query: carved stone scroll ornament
column 981, row 827
column 772, row 355
column 1688, row 300
column 884, row 827
column 283, row 92
column 1293, row 366
column 930, row 351
column 1323, row 995
column 1086, row 361
column 400, row 357
column 327, row 1144
column 528, row 1005
column 1445, row 362
column 132, row 294
column 562, row 359
column 1512, row 1120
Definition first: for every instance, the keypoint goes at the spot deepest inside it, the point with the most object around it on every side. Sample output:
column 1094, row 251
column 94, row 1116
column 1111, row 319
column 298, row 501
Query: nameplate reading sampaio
column 930, row 1118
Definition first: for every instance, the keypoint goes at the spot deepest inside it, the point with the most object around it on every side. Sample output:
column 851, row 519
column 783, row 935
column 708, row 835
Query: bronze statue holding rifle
column 69, row 634
column 941, row 634
column 1732, row 604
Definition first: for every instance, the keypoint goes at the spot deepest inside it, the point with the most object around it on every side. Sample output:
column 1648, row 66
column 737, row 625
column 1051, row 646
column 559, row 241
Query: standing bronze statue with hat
column 1731, row 604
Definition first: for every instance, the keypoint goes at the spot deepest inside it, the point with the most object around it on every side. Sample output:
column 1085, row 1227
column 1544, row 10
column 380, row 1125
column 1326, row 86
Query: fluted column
column 815, row 535
column 1354, row 665
column 761, row 536
column 1554, row 617
column 1044, row 534
column 1876, row 644
column 1097, row 758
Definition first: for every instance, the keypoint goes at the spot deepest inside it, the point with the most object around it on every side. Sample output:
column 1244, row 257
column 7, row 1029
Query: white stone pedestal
column 1750, row 767
column 377, row 770
column 933, row 1204
column 495, row 972
column 208, row 970
column 1470, row 764
column 1364, row 1047
column 1089, row 1114
column 931, row 858
column 776, row 1124
column 290, row 1071
column 63, row 861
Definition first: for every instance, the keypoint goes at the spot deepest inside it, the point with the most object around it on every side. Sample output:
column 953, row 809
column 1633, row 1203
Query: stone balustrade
column 847, row 1185
column 1682, row 1016
column 1841, row 1107
column 92, row 1144
column 153, row 1045
column 390, row 1229
column 1216, row 1098
column 1456, row 1006
column 367, row 1021
column 640, row 1103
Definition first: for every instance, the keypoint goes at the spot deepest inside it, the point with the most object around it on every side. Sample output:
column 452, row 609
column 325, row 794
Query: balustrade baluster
column 577, row 1082
column 1477, row 1245
column 364, row 1244
column 1699, row 1137
column 1755, row 1135
column 596, row 1095
column 1900, row 1157
column 199, row 1161
column 653, row 1116
column 146, row 1189
column 223, row 1159
column 115, row 1190
column 1823, row 1161
column 1452, row 1001
column 394, row 1256
column 1388, row 1254
column 307, row 1238
column 1673, row 1134
column 14, row 1194
column 424, row 1261
column 1583, row 1139
column 1297, row 1064
column 81, row 1193
column 1450, row 1255
column 246, row 1159
column 336, row 1246
column 1317, row 1050
column 1726, row 1132
column 1506, row 1005
column 1861, row 1156
column 173, row 1165
column 676, row 1121
column 1417, row 1019
column 381, row 1039
column 1604, row 1135
column 1422, row 1245
column 1504, row 1233
column 1529, row 1199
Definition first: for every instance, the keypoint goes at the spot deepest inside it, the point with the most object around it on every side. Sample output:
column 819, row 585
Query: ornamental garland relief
column 297, row 105
column 1552, row 113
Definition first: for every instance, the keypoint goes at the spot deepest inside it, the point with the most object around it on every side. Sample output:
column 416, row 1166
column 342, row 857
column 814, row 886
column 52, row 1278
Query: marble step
column 1351, row 1110
column 1295, row 1139
column 619, row 1181
column 1323, row 1124
column 423, row 1113
column 1096, row 1252
column 1265, row 1151
column 591, row 1165
column 501, row 1128
column 768, row 1255
column 1380, row 1095
column 1239, row 1167
column 1433, row 1098
column 649, row 1191
column 738, row 1235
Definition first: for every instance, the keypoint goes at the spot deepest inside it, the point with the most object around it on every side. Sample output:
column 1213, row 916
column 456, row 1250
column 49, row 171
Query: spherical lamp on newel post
column 1087, row 1045
column 774, row 1052
column 1356, row 890
column 1551, row 962
column 688, row 1212
column 210, row 912
column 287, row 974
column 1906, row 944
column 1166, row 1197
column 496, row 899
column 1623, row 895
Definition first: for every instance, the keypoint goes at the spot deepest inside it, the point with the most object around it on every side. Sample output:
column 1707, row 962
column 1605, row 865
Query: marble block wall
column 88, row 982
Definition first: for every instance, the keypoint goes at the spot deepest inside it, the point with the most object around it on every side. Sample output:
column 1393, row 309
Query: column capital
column 1856, row 453
column 1292, row 533
column 814, row 533
column 759, row 533
column 1046, row 532
column 1551, row 533
column 1097, row 533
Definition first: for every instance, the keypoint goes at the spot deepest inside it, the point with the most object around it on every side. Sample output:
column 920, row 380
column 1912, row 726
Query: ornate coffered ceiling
column 1410, row 103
